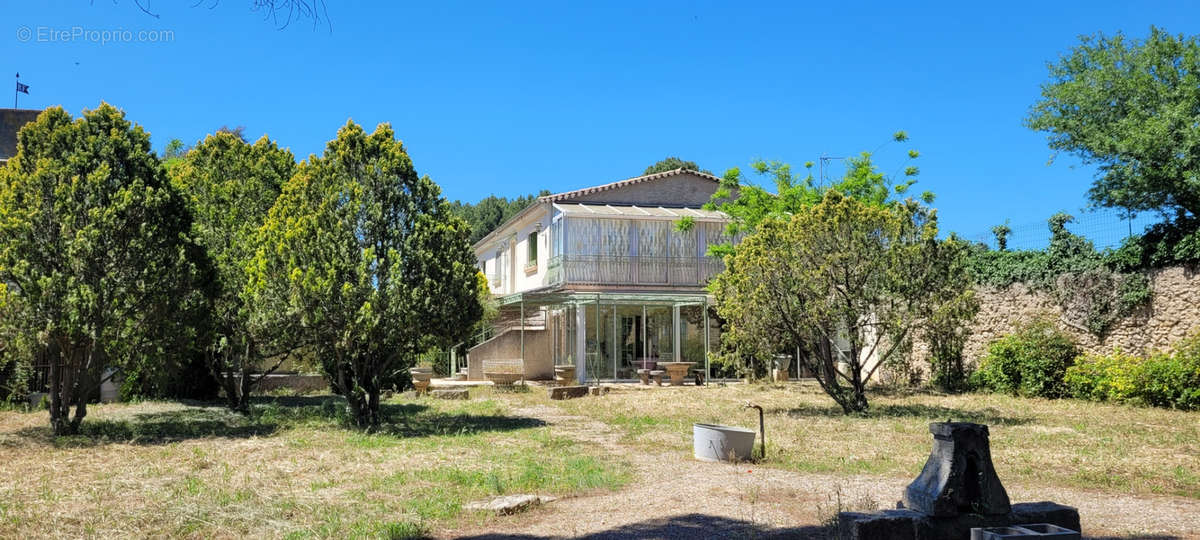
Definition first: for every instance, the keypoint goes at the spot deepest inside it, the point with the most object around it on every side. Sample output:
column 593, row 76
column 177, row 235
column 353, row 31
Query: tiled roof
column 622, row 183
column 567, row 195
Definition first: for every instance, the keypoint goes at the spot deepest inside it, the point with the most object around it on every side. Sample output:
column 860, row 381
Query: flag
column 22, row 88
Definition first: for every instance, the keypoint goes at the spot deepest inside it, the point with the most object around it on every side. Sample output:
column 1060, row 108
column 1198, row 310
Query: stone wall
column 506, row 346
column 1173, row 314
column 300, row 384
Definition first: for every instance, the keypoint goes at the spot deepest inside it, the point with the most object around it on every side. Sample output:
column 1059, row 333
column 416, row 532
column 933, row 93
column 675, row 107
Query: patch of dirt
column 674, row 496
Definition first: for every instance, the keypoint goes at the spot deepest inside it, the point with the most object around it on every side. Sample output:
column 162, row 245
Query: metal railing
column 633, row 270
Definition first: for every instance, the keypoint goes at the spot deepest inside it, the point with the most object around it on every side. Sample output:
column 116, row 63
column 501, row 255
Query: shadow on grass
column 199, row 420
column 685, row 526
column 987, row 415
column 707, row 526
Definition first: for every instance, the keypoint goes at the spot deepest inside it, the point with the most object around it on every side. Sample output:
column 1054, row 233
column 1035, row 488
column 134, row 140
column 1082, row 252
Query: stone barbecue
column 958, row 478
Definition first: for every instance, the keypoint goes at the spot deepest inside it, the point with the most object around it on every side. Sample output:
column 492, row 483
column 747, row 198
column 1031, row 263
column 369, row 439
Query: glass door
column 631, row 346
column 660, row 340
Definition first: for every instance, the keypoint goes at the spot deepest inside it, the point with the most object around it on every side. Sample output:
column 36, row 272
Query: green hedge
column 1161, row 380
column 1030, row 362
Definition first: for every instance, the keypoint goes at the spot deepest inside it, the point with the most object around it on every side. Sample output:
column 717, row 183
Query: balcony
column 633, row 270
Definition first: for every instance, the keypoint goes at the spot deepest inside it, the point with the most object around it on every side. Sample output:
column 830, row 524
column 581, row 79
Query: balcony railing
column 618, row 270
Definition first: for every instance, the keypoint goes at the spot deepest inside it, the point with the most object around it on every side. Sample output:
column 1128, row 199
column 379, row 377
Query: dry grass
column 291, row 470
column 1063, row 443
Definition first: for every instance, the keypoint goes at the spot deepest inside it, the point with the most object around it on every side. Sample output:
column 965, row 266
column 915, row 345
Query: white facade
column 604, row 278
column 505, row 256
column 602, row 245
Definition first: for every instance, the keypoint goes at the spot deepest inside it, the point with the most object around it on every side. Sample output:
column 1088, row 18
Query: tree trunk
column 58, row 417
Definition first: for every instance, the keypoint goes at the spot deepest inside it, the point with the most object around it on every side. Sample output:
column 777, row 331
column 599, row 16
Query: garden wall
column 1173, row 313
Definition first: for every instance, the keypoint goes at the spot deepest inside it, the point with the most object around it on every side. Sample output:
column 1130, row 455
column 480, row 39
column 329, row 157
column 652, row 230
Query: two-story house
column 603, row 279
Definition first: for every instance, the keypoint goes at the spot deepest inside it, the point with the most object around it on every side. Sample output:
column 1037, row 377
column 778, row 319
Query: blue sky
column 510, row 98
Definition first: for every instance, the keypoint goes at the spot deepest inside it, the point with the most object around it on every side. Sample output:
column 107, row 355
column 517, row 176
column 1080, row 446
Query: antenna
column 824, row 163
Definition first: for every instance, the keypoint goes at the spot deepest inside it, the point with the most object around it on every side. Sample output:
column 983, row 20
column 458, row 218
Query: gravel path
column 674, row 496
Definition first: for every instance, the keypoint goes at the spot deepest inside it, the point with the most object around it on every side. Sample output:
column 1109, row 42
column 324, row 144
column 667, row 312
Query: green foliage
column 1002, row 231
column 1104, row 377
column 1030, row 362
column 671, row 163
column 1129, row 106
column 230, row 186
column 749, row 204
column 1083, row 280
column 946, row 331
column 1169, row 380
column 16, row 349
column 486, row 215
column 361, row 258
column 1172, row 242
column 94, row 240
column 184, row 375
column 844, row 269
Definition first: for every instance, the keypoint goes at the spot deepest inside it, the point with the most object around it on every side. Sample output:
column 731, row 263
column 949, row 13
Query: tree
column 749, row 204
column 230, row 186
column 491, row 212
column 93, row 242
column 16, row 349
column 671, row 163
column 363, row 258
column 1131, row 107
column 279, row 12
column 844, row 271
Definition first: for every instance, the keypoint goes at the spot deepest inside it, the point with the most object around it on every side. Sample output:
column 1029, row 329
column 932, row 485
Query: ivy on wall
column 1093, row 288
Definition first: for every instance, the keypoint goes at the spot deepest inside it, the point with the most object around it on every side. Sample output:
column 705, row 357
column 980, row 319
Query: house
column 11, row 121
column 603, row 279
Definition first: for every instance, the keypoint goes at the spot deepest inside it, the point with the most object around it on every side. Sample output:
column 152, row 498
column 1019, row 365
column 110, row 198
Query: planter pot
column 677, row 370
column 565, row 375
column 35, row 399
column 711, row 442
column 424, row 374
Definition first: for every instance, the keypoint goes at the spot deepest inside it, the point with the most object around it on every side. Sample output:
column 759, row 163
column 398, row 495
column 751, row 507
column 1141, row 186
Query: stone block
column 885, row 525
column 568, row 392
column 508, row 504
column 599, row 390
column 451, row 393
column 906, row 524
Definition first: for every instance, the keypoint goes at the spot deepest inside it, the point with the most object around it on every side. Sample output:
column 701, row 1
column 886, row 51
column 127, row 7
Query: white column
column 581, row 343
column 675, row 331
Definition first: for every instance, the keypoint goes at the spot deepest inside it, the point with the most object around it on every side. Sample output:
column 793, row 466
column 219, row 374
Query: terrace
column 633, row 245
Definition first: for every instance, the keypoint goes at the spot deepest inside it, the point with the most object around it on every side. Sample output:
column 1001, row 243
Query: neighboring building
column 601, row 278
column 11, row 121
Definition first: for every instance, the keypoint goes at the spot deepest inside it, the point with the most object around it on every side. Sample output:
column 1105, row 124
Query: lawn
column 1068, row 443
column 291, row 470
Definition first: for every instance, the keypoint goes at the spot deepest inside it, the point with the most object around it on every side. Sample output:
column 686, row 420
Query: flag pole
column 15, row 90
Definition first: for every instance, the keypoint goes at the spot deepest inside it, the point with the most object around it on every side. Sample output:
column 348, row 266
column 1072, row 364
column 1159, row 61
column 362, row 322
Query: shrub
column 1030, row 362
column 1104, row 377
column 1173, row 380
column 1161, row 380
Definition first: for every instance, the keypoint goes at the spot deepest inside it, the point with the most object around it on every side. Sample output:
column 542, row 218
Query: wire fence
column 1106, row 228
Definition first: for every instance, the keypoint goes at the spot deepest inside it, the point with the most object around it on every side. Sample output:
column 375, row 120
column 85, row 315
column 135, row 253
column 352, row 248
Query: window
column 531, row 245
